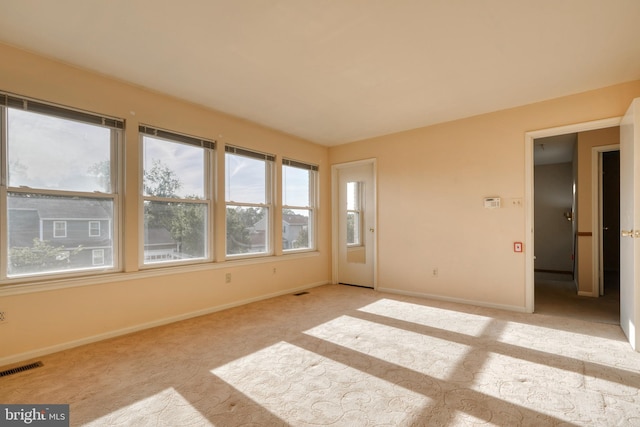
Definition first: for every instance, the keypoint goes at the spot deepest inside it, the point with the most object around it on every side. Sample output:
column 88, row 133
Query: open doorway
column 609, row 196
column 575, row 231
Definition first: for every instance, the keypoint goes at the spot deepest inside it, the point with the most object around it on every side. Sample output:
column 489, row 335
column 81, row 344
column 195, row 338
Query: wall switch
column 517, row 246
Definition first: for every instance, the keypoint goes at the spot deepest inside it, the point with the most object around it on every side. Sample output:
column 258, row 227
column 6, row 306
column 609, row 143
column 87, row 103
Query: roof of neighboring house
column 288, row 219
column 158, row 236
column 24, row 211
column 295, row 219
column 57, row 208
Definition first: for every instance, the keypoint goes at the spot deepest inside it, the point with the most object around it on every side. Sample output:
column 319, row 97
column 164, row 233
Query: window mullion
column 3, row 194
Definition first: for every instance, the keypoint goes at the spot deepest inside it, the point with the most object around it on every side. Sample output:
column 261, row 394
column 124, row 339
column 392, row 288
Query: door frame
column 335, row 169
column 529, row 138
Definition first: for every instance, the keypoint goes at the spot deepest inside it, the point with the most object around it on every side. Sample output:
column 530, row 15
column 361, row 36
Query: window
column 354, row 213
column 298, row 205
column 248, row 189
column 60, row 167
column 94, row 228
column 176, row 196
column 97, row 256
column 59, row 228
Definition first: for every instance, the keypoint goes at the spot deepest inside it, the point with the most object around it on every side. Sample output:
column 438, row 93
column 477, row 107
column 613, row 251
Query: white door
column 630, row 224
column 355, row 224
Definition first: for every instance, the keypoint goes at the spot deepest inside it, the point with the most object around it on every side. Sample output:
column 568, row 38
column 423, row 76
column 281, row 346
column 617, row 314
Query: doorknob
column 371, row 230
column 630, row 233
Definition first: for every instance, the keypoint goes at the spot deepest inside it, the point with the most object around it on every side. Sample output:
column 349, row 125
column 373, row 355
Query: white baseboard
column 22, row 357
column 455, row 300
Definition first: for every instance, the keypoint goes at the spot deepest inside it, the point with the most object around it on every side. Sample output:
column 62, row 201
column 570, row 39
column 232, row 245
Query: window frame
column 55, row 229
column 268, row 205
column 209, row 155
column 312, row 207
column 116, row 128
column 93, row 256
column 99, row 229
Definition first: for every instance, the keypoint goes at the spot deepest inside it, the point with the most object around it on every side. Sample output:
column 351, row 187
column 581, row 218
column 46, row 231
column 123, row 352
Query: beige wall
column 50, row 320
column 587, row 284
column 431, row 183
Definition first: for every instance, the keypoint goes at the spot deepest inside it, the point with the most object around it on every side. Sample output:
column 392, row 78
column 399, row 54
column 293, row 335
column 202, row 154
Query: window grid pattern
column 59, row 171
column 176, row 197
column 298, row 205
column 248, row 199
column 78, row 207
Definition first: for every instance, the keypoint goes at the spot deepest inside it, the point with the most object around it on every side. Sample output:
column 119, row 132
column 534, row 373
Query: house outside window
column 299, row 182
column 61, row 168
column 248, row 196
column 177, row 201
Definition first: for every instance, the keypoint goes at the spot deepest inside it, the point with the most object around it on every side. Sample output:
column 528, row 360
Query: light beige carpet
column 344, row 356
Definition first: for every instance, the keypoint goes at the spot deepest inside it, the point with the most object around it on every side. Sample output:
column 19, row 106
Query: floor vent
column 20, row 369
column 301, row 293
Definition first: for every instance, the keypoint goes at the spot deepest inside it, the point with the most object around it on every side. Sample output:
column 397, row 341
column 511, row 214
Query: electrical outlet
column 274, row 270
column 434, row 272
column 3, row 317
column 227, row 278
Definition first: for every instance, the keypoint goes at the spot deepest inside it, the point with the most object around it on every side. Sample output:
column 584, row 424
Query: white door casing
column 355, row 264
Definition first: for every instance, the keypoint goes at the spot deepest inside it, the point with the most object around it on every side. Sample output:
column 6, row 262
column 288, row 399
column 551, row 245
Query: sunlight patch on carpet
column 449, row 320
column 305, row 387
column 166, row 407
column 418, row 352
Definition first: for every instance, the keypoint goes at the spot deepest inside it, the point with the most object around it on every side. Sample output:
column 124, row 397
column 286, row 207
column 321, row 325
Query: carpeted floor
column 345, row 356
column 558, row 296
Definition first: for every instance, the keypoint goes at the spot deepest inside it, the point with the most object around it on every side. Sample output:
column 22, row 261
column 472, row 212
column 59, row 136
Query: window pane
column 353, row 195
column 245, row 179
column 296, row 229
column 32, row 248
column 51, row 153
column 295, row 186
column 247, row 230
column 353, row 228
column 173, row 170
column 174, row 231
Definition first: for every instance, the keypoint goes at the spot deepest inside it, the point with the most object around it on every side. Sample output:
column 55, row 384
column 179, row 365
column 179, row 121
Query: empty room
column 304, row 213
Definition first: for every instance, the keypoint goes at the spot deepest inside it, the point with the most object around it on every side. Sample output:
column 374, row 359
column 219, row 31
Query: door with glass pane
column 355, row 223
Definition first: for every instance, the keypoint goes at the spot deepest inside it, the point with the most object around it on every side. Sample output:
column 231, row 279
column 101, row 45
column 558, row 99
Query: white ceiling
column 335, row 71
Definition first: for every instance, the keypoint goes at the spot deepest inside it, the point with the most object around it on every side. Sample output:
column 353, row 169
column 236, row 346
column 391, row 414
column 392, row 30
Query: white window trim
column 313, row 201
column 91, row 229
column 269, row 160
column 147, row 261
column 116, row 126
column 94, row 252
column 55, row 229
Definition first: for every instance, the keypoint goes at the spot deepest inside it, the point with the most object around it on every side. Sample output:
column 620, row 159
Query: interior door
column 356, row 225
column 630, row 224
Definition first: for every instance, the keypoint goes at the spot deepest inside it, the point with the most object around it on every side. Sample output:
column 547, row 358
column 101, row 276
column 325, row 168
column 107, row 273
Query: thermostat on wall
column 491, row 202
